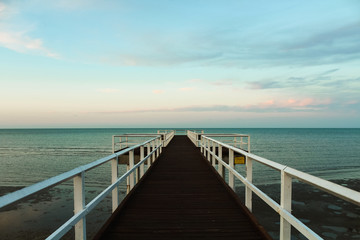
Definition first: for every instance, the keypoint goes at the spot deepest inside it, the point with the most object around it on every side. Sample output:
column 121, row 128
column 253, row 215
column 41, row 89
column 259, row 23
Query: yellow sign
column 239, row 160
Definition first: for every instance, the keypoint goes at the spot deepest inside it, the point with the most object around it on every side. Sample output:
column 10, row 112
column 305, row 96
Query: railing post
column 213, row 155
column 114, row 177
column 153, row 147
column 127, row 180
column 79, row 204
column 141, row 158
column 201, row 145
column 208, row 150
column 285, row 203
column 248, row 192
column 231, row 164
column 220, row 166
column 131, row 165
column 148, row 153
column 158, row 148
column 113, row 144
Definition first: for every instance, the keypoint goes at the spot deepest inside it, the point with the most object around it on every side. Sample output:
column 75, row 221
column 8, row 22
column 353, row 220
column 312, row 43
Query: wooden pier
column 182, row 197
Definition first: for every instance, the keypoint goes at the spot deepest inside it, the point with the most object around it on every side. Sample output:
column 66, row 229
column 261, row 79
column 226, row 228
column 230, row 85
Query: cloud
column 321, row 79
column 157, row 91
column 222, row 83
column 290, row 105
column 186, row 89
column 108, row 90
column 20, row 41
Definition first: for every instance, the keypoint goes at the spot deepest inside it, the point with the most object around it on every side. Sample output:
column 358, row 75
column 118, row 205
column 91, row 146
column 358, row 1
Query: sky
column 202, row 63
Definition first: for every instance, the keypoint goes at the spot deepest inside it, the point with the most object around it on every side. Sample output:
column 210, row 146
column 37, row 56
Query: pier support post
column 141, row 158
column 285, row 203
column 114, row 177
column 249, row 176
column 131, row 165
column 79, row 204
column 231, row 163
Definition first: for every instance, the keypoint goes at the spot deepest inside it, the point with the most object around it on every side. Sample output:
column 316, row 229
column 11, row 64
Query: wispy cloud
column 20, row 40
column 222, row 83
column 186, row 89
column 157, row 91
column 290, row 105
column 108, row 90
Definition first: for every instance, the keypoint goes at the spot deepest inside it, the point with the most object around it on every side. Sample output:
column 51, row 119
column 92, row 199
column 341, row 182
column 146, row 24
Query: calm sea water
column 31, row 155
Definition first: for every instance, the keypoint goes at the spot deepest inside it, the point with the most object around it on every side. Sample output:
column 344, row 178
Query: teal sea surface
column 28, row 156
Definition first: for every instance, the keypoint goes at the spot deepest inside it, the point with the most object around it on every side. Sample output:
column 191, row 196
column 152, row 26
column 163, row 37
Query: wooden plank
column 182, row 197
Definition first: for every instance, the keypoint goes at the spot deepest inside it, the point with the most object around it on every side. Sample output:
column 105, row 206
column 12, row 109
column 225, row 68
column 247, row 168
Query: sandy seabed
column 40, row 215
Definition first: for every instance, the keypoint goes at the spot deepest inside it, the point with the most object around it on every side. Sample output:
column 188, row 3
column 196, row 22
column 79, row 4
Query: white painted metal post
column 79, row 204
column 220, row 166
column 141, row 158
column 231, row 164
column 249, row 176
column 248, row 144
column 213, row 156
column 201, row 145
column 285, row 202
column 209, row 146
column 153, row 147
column 158, row 150
column 148, row 153
column 114, row 177
column 131, row 165
column 127, row 180
column 113, row 144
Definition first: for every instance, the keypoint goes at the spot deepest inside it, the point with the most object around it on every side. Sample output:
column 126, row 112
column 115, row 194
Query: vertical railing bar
column 148, row 153
column 131, row 165
column 285, row 203
column 249, row 177
column 220, row 166
column 114, row 178
column 231, row 164
column 141, row 158
column 79, row 204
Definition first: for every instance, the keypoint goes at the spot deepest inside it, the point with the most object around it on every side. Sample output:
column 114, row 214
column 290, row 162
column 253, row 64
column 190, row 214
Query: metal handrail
column 80, row 209
column 287, row 173
column 63, row 229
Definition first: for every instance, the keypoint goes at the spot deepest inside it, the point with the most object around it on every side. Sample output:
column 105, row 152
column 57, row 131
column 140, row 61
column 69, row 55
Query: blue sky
column 179, row 63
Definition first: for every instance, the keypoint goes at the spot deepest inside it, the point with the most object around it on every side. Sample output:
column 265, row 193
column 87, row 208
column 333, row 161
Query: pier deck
column 182, row 197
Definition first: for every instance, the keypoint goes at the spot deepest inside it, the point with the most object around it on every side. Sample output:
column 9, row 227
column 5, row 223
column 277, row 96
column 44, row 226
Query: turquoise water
column 31, row 155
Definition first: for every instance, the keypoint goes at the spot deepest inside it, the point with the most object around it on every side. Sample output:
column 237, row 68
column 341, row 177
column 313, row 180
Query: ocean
column 28, row 156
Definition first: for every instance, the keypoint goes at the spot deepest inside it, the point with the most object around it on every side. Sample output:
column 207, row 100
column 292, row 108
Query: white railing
column 154, row 149
column 208, row 148
column 236, row 140
column 120, row 142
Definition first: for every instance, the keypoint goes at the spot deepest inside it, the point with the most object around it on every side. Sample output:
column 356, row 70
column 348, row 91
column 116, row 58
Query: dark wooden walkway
column 181, row 197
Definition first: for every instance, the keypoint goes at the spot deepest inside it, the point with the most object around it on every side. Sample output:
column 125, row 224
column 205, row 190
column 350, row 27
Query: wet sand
column 39, row 216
